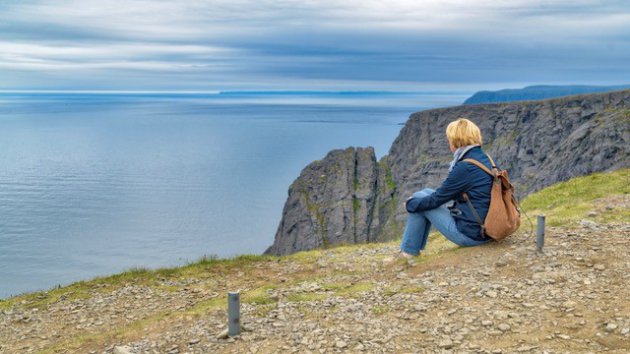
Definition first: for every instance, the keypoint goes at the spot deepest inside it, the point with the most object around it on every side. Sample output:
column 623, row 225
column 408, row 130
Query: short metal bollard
column 234, row 314
column 540, row 240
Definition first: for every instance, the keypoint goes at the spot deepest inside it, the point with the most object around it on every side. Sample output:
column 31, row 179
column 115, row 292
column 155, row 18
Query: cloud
column 144, row 44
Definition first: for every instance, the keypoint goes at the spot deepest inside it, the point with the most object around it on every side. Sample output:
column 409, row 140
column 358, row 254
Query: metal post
column 540, row 241
column 234, row 314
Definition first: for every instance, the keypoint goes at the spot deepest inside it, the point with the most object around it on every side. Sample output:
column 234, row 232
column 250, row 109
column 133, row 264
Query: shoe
column 399, row 257
column 403, row 254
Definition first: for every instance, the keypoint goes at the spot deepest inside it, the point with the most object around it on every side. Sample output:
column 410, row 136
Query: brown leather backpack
column 504, row 216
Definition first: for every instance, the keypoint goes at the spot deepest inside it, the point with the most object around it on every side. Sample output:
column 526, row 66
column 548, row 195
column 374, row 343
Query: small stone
column 486, row 323
column 341, row 344
column 526, row 348
column 609, row 207
column 194, row 341
column 625, row 331
column 223, row 334
column 122, row 350
column 504, row 327
column 563, row 336
column 611, row 326
column 446, row 344
column 591, row 214
column 599, row 267
column 492, row 294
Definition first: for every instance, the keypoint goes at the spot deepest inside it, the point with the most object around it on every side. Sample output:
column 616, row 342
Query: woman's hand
column 405, row 203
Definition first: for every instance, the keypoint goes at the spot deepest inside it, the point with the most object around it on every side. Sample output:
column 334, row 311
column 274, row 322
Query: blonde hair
column 463, row 132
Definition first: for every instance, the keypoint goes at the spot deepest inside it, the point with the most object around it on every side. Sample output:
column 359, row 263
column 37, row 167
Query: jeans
column 418, row 225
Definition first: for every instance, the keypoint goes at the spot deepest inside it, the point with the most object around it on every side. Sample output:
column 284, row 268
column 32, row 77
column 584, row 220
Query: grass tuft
column 568, row 202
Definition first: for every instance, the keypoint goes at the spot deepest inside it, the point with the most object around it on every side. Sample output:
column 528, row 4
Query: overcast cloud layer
column 329, row 45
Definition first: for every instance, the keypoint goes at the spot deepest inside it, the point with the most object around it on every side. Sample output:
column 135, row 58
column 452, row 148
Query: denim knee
column 423, row 192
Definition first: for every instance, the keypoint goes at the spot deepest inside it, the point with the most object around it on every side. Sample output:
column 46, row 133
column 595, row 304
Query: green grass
column 380, row 309
column 259, row 296
column 389, row 180
column 566, row 203
column 354, row 290
column 202, row 268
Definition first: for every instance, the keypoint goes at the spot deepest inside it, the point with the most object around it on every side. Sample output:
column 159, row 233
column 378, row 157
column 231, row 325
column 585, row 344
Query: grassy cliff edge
column 149, row 306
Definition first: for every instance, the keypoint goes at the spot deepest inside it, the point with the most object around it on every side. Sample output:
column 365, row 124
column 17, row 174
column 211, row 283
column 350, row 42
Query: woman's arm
column 456, row 182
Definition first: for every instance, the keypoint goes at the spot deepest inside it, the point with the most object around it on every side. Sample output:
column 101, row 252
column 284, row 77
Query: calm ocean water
column 93, row 184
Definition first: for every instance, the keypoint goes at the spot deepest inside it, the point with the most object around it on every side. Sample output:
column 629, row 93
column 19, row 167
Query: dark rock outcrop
column 340, row 199
column 349, row 197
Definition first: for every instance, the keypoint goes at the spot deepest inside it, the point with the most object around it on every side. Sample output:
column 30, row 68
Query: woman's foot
column 400, row 256
column 403, row 254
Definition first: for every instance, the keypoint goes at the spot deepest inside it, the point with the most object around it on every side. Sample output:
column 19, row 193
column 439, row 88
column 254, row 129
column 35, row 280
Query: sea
column 95, row 183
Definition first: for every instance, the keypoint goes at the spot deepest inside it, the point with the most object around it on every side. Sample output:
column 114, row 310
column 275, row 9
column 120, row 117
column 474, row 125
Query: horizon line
column 220, row 92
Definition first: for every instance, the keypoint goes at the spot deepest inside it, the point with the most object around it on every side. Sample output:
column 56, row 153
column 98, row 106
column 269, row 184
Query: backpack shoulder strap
column 481, row 166
column 492, row 162
column 474, row 211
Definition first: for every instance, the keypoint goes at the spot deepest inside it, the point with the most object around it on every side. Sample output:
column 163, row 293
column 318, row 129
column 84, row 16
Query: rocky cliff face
column 340, row 199
column 349, row 197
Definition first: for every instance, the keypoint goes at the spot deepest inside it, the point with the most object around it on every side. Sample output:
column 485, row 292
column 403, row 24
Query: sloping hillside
column 501, row 297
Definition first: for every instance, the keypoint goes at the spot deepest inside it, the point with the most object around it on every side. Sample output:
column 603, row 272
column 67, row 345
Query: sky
column 398, row 45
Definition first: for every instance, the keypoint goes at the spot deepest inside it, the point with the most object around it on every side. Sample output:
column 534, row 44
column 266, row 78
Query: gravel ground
column 498, row 298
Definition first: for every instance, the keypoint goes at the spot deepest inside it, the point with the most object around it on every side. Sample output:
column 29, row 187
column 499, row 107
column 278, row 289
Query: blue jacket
column 464, row 177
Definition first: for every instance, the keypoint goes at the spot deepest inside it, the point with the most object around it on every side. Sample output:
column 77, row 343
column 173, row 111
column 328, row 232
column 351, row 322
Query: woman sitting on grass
column 445, row 208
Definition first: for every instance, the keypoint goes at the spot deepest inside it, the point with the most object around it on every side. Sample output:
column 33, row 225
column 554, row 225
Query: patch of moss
column 263, row 310
column 334, row 287
column 411, row 289
column 304, row 256
column 258, row 296
column 42, row 299
column 137, row 276
column 568, row 202
column 622, row 115
column 353, row 290
column 380, row 309
column 390, row 291
column 389, row 180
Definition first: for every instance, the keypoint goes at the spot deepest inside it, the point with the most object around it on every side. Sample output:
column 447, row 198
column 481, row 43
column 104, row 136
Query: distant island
column 538, row 92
